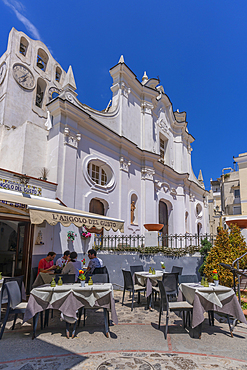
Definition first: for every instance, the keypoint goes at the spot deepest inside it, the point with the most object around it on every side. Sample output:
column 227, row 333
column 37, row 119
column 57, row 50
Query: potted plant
column 71, row 235
column 85, row 234
column 215, row 277
column 82, row 277
column 162, row 266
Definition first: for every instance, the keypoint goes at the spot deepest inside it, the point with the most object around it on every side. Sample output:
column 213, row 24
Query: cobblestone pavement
column 136, row 343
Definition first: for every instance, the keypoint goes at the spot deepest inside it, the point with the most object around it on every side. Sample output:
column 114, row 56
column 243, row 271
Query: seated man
column 46, row 264
column 62, row 261
column 94, row 261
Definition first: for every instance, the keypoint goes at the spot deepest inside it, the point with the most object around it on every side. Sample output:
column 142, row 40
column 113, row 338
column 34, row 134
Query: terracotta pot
column 153, row 227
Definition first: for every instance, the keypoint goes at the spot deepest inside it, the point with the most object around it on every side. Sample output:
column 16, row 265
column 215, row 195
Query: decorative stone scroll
column 161, row 185
column 147, row 173
column 125, row 90
column 163, row 125
column 71, row 139
column 147, row 107
column 124, row 164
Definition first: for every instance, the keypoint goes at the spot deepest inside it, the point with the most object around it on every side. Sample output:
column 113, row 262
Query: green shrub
column 229, row 245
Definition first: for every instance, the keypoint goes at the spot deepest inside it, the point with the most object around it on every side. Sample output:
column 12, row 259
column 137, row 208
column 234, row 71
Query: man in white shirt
column 62, row 261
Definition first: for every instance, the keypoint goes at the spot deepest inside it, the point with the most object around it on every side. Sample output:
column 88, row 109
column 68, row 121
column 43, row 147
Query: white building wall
column 125, row 137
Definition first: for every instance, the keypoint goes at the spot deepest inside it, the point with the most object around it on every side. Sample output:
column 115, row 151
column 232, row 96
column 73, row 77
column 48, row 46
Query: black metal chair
column 4, row 296
column 187, row 279
column 101, row 270
column 66, row 278
column 177, row 269
column 167, row 306
column 170, row 280
column 136, row 268
column 225, row 316
column 131, row 287
column 18, row 279
column 15, row 304
column 100, row 278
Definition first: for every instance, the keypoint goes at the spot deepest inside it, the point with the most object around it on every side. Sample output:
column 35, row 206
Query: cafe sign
column 21, row 188
column 38, row 216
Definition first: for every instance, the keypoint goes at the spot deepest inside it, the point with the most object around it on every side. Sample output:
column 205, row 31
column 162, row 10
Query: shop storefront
column 21, row 218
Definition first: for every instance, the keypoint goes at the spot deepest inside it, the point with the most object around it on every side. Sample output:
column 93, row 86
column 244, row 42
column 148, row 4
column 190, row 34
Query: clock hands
column 23, row 78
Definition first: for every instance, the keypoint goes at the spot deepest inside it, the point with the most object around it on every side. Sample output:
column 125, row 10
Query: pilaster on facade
column 124, row 164
column 71, row 139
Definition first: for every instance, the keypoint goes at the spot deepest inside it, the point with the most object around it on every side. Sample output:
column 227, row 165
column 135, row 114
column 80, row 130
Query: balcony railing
column 137, row 243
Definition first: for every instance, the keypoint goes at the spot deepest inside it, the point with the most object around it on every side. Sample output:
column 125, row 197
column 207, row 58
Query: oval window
column 99, row 173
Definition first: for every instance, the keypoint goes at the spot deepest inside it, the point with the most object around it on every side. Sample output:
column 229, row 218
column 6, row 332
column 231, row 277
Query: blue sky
column 197, row 48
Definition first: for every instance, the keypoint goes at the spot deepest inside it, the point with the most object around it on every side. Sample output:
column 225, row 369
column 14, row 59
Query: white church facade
column 130, row 162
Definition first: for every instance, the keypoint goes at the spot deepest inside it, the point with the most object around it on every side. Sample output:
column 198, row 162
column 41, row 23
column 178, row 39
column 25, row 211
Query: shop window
column 40, row 92
column 42, row 59
column 23, row 46
column 58, row 74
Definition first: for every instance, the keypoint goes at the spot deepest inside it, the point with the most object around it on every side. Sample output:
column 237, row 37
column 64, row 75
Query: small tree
column 206, row 246
column 228, row 246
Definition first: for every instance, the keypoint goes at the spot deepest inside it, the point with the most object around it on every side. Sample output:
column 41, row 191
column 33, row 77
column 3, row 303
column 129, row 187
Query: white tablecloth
column 68, row 298
column 213, row 298
column 148, row 279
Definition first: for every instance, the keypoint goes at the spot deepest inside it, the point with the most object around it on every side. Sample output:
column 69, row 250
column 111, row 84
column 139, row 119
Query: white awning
column 44, row 209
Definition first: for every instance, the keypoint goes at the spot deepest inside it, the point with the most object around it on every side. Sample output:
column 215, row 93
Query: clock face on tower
column 23, row 76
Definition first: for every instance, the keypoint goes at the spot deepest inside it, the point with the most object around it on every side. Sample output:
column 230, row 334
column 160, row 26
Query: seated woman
column 73, row 266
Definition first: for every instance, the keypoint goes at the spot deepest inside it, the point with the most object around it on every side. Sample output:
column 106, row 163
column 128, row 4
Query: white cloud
column 17, row 8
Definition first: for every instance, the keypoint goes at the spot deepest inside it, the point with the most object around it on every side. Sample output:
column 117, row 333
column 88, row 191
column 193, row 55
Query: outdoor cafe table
column 148, row 279
column 68, row 298
column 219, row 298
column 43, row 278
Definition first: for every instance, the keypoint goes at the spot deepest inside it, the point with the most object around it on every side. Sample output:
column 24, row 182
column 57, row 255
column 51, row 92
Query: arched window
column 164, row 155
column 163, row 219
column 42, row 59
column 23, row 46
column 199, row 228
column 198, row 210
column 96, row 206
column 40, row 92
column 58, row 74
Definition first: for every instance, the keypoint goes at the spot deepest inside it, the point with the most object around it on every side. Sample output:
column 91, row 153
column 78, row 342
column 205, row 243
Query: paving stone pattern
column 136, row 343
